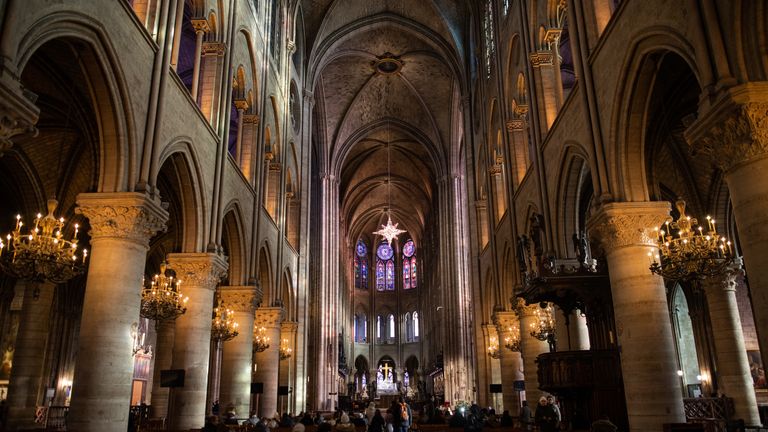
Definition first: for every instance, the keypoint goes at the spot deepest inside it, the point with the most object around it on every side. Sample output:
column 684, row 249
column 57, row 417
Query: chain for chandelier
column 390, row 230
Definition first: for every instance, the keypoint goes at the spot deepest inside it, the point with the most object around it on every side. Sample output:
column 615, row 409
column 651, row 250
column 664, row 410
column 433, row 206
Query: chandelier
column 285, row 350
column 223, row 327
column 162, row 300
column 42, row 254
column 493, row 348
column 139, row 336
column 260, row 339
column 389, row 231
column 544, row 326
column 691, row 253
column 512, row 342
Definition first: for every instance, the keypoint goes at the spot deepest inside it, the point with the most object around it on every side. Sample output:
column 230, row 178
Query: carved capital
column 241, row 104
column 275, row 166
column 542, row 58
column 214, row 49
column 552, row 36
column 203, row 270
column 728, row 281
column 269, row 316
column 240, row 298
column 734, row 130
column 618, row 225
column 200, row 25
column 289, row 328
column 131, row 216
column 515, row 125
column 18, row 112
column 495, row 169
column 522, row 309
column 504, row 320
column 290, row 46
column 251, row 119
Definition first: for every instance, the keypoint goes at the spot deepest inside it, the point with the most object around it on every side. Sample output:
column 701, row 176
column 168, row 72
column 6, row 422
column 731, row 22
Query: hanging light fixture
column 42, row 253
column 544, row 326
column 162, row 300
column 692, row 253
column 493, row 348
column 512, row 342
column 389, row 231
column 223, row 326
column 285, row 350
column 260, row 339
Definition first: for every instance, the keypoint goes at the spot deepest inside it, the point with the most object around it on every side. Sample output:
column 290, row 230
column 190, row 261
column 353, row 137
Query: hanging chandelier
column 260, row 339
column 544, row 326
column 512, row 342
column 389, row 231
column 493, row 348
column 285, row 350
column 162, row 300
column 691, row 253
column 223, row 327
column 42, row 254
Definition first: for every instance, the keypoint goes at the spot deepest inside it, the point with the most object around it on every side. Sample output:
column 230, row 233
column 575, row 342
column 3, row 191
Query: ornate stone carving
column 200, row 25
column 288, row 328
column 290, row 46
column 10, row 127
column 18, row 113
column 240, row 299
column 251, row 118
column 737, row 134
column 269, row 316
column 542, row 58
column 275, row 166
column 129, row 215
column 524, row 310
column 214, row 49
column 618, row 225
column 515, row 125
column 726, row 282
column 504, row 320
column 495, row 169
column 203, row 270
column 552, row 36
column 241, row 104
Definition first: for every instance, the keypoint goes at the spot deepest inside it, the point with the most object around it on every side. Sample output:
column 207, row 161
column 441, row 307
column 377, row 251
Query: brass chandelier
column 285, row 350
column 493, row 348
column 260, row 339
column 223, row 326
column 42, row 253
column 690, row 253
column 544, row 326
column 162, row 300
column 512, row 342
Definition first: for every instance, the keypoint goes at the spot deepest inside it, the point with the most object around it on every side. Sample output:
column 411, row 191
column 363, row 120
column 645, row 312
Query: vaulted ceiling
column 387, row 84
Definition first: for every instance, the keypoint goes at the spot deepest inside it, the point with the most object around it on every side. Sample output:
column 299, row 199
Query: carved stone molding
column 269, row 316
column 200, row 25
column 542, row 58
column 525, row 310
column 495, row 169
column 241, row 104
column 728, row 281
column 552, row 36
column 18, row 113
column 515, row 125
column 290, row 46
column 214, row 49
column 275, row 166
column 203, row 270
column 731, row 133
column 289, row 328
column 618, row 225
column 504, row 320
column 131, row 216
column 251, row 118
column 240, row 298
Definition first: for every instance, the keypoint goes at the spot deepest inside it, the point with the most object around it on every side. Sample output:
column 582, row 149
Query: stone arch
column 265, row 275
column 629, row 120
column 233, row 235
column 118, row 147
column 288, row 296
column 575, row 179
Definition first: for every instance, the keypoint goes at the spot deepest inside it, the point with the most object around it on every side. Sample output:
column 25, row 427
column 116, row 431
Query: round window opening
column 388, row 64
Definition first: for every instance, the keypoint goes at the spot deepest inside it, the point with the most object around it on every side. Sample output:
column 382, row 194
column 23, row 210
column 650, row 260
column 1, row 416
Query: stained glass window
column 416, row 325
column 391, row 326
column 361, row 265
column 385, row 268
column 409, row 265
column 490, row 44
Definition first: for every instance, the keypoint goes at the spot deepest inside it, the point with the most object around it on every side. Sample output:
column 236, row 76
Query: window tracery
column 385, row 268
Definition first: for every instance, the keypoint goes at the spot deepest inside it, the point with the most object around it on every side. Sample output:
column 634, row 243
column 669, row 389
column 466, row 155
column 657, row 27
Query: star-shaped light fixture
column 389, row 231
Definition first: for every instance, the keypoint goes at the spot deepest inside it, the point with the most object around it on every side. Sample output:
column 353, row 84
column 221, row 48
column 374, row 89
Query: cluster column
column 531, row 348
column 268, row 361
column 648, row 359
column 199, row 273
column 511, row 361
column 733, row 374
column 121, row 226
column 163, row 361
column 237, row 356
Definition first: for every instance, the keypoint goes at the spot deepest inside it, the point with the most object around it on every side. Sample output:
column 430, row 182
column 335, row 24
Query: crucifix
column 386, row 368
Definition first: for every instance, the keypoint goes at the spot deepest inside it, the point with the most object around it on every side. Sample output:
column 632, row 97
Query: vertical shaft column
column 511, row 361
column 199, row 273
column 31, row 342
column 121, row 226
column 201, row 28
column 237, row 357
column 648, row 359
column 531, row 348
column 287, row 340
column 163, row 361
column 733, row 374
column 268, row 361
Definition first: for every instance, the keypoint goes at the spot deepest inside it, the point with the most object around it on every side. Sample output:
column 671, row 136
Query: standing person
column 546, row 419
column 556, row 408
column 525, row 416
column 377, row 423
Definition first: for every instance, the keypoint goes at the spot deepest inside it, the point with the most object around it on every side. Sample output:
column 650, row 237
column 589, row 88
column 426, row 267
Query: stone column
column 287, row 334
column 121, row 226
column 648, row 359
column 24, row 387
column 511, row 361
column 572, row 332
column 268, row 361
column 242, row 106
column 201, row 28
column 163, row 361
column 733, row 374
column 531, row 348
column 199, row 273
column 237, row 356
column 545, row 83
column 733, row 133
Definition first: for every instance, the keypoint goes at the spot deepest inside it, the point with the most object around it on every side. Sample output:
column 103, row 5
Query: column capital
column 618, row 225
column 241, row 104
column 200, row 25
column 289, row 327
column 515, row 125
column 724, row 282
column 504, row 320
column 241, row 298
column 734, row 129
column 542, row 58
column 132, row 216
column 18, row 112
column 251, row 118
column 214, row 49
column 269, row 316
column 522, row 309
column 203, row 270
